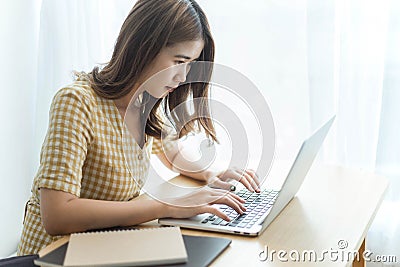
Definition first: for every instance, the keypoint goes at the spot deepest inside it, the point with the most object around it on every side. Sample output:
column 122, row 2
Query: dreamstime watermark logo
column 342, row 244
column 234, row 105
column 339, row 254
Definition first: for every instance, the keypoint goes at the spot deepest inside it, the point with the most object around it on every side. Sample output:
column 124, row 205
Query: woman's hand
column 247, row 177
column 200, row 201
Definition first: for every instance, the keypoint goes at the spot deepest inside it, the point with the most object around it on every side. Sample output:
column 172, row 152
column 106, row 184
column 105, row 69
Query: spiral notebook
column 148, row 246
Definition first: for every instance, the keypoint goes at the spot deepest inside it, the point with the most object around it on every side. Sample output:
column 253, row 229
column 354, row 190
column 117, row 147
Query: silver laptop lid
column 298, row 171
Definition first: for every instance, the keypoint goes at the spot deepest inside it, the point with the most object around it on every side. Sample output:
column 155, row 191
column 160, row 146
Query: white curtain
column 311, row 59
column 19, row 27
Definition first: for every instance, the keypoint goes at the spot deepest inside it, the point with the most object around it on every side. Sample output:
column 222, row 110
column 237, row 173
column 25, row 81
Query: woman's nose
column 182, row 70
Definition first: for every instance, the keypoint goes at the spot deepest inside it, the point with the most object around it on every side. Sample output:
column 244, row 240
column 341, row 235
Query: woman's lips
column 170, row 89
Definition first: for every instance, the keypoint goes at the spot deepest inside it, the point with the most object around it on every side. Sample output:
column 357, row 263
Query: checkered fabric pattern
column 87, row 152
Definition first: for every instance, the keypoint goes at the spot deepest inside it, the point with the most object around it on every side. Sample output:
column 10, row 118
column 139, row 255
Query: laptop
column 261, row 208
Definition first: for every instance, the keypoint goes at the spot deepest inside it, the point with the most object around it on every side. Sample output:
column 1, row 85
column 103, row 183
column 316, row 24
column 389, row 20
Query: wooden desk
column 333, row 204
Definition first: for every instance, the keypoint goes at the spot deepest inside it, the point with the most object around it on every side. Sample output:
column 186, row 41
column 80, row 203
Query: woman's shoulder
column 79, row 92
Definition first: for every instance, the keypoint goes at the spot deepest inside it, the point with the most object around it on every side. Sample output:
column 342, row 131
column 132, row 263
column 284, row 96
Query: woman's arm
column 64, row 213
column 174, row 160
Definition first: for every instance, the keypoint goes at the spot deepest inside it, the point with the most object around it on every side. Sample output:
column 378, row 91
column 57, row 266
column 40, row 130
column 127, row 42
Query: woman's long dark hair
column 151, row 26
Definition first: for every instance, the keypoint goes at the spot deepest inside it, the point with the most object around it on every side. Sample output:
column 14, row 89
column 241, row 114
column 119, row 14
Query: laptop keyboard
column 257, row 204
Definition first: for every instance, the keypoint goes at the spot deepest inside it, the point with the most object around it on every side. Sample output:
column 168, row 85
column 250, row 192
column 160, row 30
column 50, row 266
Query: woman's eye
column 179, row 62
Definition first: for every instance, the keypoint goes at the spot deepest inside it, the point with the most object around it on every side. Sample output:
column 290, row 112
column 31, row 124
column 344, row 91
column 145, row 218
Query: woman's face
column 170, row 68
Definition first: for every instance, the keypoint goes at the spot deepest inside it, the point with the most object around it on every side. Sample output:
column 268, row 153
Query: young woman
column 83, row 182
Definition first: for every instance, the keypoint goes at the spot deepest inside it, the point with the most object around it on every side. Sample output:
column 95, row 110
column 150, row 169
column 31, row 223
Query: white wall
column 19, row 25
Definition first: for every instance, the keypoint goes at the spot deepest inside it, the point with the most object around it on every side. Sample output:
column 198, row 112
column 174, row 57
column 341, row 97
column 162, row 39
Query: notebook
column 201, row 250
column 144, row 247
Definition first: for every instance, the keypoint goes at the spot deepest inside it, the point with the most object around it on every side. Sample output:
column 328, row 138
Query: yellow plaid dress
column 85, row 153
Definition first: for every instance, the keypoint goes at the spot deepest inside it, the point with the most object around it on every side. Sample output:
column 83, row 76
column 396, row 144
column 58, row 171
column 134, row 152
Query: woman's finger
column 240, row 201
column 242, row 179
column 250, row 180
column 222, row 192
column 215, row 211
column 237, row 197
column 221, row 185
column 254, row 175
column 231, row 202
